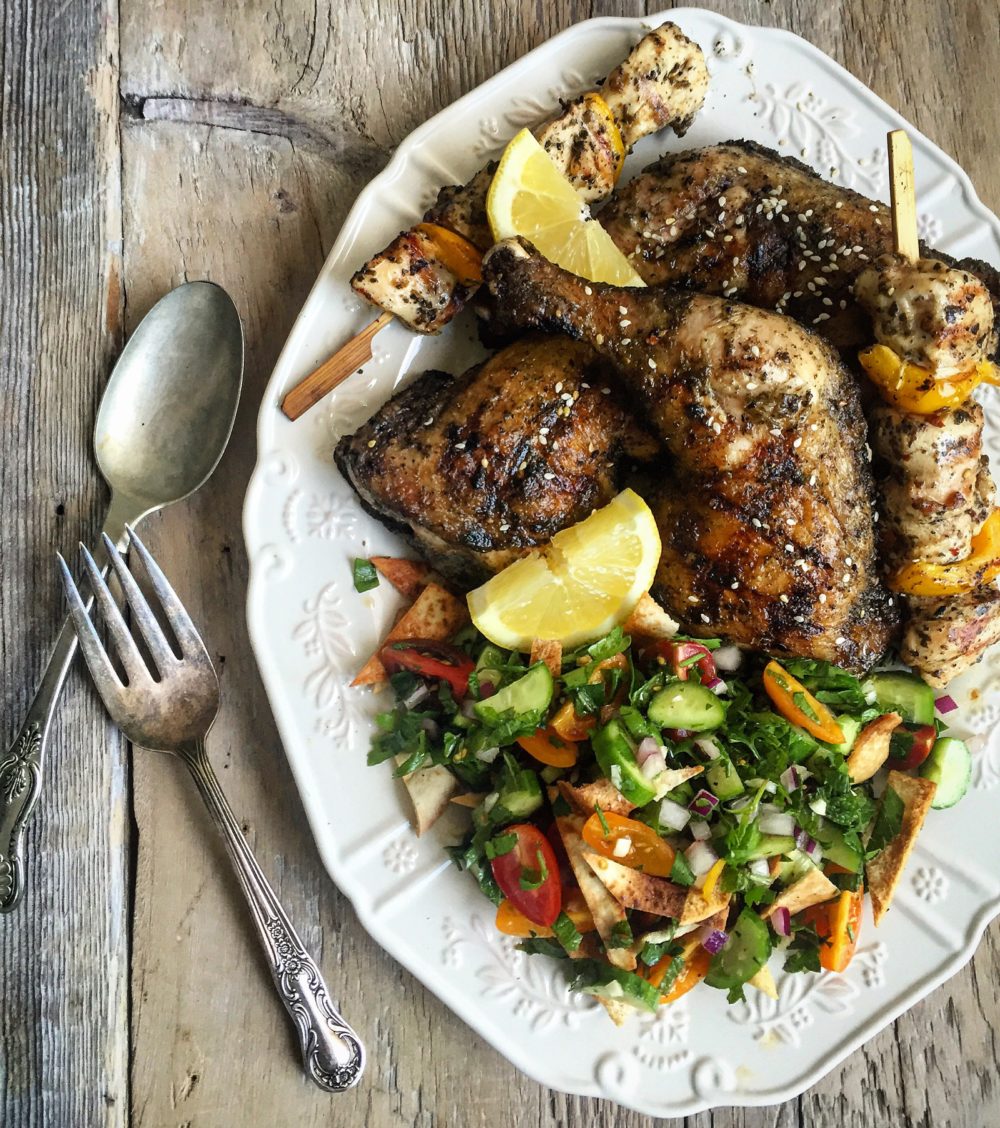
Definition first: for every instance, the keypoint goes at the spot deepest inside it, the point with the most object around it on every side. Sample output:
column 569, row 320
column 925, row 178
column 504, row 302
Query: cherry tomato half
column 511, row 922
column 528, row 875
column 430, row 659
column 921, row 740
column 547, row 747
column 567, row 724
column 696, row 961
column 647, row 850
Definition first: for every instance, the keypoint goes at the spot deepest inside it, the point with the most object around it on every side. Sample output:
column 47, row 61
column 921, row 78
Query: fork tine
column 108, row 684
column 149, row 628
column 180, row 622
column 124, row 643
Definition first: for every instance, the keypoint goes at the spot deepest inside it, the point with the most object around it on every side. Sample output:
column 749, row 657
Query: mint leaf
column 365, row 576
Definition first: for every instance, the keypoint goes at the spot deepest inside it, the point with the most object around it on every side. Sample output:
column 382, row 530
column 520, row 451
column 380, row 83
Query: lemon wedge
column 579, row 586
column 529, row 197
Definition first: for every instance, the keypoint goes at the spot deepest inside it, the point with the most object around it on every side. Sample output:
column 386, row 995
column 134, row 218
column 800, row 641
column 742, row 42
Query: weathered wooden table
column 145, row 142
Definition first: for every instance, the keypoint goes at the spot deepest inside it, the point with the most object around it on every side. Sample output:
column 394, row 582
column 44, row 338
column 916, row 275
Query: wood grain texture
column 245, row 135
column 64, row 952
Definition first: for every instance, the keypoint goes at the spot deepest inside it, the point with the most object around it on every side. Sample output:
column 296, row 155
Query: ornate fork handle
column 332, row 1052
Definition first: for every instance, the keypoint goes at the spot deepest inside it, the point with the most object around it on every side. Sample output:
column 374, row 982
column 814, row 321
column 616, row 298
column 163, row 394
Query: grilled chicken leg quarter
column 766, row 515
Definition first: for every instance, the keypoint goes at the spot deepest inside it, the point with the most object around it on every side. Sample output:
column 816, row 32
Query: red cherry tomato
column 922, row 738
column 532, row 863
column 682, row 657
column 430, row 659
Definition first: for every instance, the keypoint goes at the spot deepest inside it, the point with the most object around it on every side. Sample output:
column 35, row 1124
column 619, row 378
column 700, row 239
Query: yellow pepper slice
column 460, row 256
column 910, row 387
column 981, row 566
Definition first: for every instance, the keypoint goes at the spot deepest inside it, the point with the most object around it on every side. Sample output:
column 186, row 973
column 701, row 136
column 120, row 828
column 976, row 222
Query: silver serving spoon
column 163, row 423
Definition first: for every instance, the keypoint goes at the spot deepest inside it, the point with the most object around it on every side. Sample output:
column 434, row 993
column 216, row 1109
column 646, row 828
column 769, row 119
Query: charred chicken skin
column 477, row 469
column 766, row 510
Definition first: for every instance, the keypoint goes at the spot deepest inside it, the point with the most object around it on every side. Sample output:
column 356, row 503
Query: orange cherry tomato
column 807, row 712
column 548, row 747
column 981, row 566
column 567, row 723
column 512, row 922
column 696, row 961
column 839, row 923
column 647, row 850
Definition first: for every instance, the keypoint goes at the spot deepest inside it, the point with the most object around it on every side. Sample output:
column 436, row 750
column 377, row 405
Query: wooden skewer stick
column 904, row 199
column 317, row 384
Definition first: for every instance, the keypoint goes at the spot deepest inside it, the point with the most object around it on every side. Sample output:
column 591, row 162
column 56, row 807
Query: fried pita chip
column 408, row 577
column 437, row 615
column 430, row 790
column 764, row 981
column 698, row 907
column 637, row 890
column 549, row 651
column 883, row 873
column 674, row 777
column 469, row 799
column 618, row 1012
column 649, row 620
column 603, row 907
column 601, row 793
column 871, row 749
column 812, row 888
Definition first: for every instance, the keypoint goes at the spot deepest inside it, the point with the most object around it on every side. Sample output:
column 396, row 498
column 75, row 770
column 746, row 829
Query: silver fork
column 173, row 712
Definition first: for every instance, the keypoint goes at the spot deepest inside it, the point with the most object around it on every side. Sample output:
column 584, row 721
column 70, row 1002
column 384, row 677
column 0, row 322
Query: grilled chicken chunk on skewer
column 741, row 221
column 478, row 469
column 935, row 328
column 766, row 512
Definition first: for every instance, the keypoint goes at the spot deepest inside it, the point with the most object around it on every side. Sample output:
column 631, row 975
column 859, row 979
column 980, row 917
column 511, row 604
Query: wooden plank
column 64, row 951
column 239, row 203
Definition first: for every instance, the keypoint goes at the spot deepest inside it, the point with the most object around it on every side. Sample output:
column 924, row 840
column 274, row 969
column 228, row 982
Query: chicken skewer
column 934, row 325
column 766, row 509
column 425, row 275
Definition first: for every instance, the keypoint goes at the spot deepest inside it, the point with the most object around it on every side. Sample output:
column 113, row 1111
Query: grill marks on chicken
column 477, row 469
column 741, row 221
column 766, row 510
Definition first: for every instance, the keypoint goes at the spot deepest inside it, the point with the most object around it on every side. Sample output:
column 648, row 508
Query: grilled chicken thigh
column 740, row 220
column 477, row 469
column 766, row 511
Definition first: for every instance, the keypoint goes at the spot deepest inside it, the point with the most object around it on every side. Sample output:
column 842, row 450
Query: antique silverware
column 162, row 426
column 172, row 712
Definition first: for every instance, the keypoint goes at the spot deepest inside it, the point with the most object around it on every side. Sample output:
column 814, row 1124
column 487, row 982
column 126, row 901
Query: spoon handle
column 21, row 765
column 332, row 1052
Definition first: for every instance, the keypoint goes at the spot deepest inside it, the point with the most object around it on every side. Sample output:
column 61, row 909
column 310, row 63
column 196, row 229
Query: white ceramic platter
column 311, row 631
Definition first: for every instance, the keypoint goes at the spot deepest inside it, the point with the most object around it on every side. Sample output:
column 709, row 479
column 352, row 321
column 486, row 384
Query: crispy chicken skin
column 740, row 220
column 944, row 637
column 929, row 313
column 478, row 468
column 766, row 511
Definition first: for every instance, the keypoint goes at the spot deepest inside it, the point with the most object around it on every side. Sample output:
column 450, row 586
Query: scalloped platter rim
column 310, row 630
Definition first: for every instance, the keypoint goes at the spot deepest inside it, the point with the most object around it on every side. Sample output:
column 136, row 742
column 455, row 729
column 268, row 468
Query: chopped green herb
column 500, row 845
column 681, row 873
column 365, row 576
column 566, row 933
column 803, row 950
column 532, row 878
column 888, row 823
column 621, row 934
column 605, row 829
column 542, row 946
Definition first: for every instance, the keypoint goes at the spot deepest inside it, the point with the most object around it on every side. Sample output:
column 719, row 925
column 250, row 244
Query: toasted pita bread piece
column 469, row 799
column 764, row 981
column 601, row 793
column 812, row 888
column 637, row 890
column 549, row 651
column 408, row 577
column 436, row 614
column 649, row 620
column 605, row 910
column 883, row 873
column 674, row 777
column 430, row 790
column 698, row 907
column 871, row 749
column 618, row 1012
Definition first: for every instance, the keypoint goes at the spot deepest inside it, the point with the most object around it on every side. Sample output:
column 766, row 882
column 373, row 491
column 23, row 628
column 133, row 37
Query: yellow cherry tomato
column 646, row 849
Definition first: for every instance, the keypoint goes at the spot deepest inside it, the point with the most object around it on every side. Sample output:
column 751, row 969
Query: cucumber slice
column 617, row 760
column 745, row 953
column 723, row 779
column 950, row 766
column 906, row 694
column 838, row 850
column 770, row 845
column 607, row 982
column 531, row 693
column 687, row 705
column 850, row 727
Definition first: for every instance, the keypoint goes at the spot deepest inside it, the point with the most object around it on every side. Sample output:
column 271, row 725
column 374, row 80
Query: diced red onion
column 704, row 803
column 728, row 658
column 699, row 830
column 790, row 779
column 759, row 868
column 707, row 746
column 776, row 824
column 807, row 844
column 653, row 765
column 647, row 747
column 468, row 709
column 781, row 921
column 677, row 734
column 430, row 726
column 700, row 857
column 945, row 704
column 673, row 815
column 716, row 685
column 419, row 693
column 487, row 755
column 713, row 940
